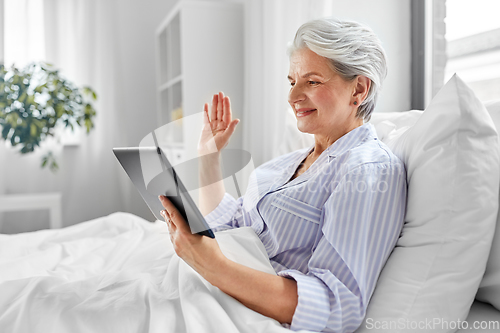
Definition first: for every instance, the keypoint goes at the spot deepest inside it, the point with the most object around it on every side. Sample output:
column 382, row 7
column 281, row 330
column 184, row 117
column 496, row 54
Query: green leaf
column 30, row 99
column 22, row 98
column 33, row 129
column 54, row 166
column 6, row 130
column 88, row 124
column 38, row 123
column 50, row 161
column 59, row 110
column 89, row 92
column 11, row 119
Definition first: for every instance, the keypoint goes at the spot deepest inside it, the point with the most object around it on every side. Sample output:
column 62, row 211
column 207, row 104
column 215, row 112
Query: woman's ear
column 361, row 87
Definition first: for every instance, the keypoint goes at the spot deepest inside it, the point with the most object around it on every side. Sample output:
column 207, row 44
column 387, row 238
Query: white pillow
column 489, row 290
column 452, row 160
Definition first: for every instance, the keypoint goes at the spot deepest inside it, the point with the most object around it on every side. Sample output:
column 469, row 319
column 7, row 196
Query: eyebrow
column 306, row 75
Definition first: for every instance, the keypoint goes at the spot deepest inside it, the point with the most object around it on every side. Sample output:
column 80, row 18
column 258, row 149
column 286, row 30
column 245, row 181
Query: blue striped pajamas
column 331, row 229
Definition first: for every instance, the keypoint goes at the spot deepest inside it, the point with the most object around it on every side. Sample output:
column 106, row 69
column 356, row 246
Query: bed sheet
column 119, row 273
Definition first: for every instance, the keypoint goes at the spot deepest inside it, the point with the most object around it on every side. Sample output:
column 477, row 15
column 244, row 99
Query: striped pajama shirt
column 331, row 229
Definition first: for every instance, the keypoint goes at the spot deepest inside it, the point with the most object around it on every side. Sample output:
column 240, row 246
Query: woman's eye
column 292, row 83
column 313, row 83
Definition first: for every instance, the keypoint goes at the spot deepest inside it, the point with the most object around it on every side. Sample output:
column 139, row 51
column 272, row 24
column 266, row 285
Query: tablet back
column 166, row 182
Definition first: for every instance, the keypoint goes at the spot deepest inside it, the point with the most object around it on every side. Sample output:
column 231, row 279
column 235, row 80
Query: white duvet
column 120, row 274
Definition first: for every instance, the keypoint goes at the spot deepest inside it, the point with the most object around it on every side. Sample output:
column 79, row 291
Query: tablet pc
column 165, row 183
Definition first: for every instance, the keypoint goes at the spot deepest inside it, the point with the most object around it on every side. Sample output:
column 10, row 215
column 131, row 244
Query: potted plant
column 35, row 101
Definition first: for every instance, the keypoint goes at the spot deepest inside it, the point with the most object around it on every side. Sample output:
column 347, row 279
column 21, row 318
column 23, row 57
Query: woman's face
column 321, row 99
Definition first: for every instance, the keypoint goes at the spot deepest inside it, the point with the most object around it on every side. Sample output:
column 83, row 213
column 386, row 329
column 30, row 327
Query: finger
column 168, row 222
column 170, row 212
column 165, row 202
column 213, row 113
column 171, row 226
column 226, row 117
column 213, row 109
column 230, row 129
column 205, row 115
column 174, row 216
column 220, row 106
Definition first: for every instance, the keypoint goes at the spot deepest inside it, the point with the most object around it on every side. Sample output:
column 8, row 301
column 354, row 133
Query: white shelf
column 23, row 202
column 199, row 53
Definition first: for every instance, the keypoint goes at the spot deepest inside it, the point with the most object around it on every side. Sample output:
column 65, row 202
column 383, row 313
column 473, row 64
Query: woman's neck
column 322, row 142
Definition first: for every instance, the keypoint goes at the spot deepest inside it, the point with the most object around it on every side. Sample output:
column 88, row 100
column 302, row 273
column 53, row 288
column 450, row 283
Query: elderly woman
column 328, row 216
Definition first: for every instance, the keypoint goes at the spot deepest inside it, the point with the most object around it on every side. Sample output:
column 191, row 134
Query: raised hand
column 218, row 125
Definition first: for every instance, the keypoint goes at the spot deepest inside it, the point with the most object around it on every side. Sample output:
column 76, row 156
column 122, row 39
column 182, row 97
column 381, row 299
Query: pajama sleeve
column 227, row 215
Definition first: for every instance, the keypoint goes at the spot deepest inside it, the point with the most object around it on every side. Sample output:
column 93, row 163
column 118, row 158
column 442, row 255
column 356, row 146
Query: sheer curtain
column 78, row 37
column 270, row 26
column 24, row 32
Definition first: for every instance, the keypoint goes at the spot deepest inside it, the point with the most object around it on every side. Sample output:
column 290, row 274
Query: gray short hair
column 353, row 49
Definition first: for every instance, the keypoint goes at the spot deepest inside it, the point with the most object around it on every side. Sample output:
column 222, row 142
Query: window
column 455, row 36
column 473, row 45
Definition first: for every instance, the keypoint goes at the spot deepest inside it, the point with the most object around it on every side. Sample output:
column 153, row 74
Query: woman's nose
column 296, row 95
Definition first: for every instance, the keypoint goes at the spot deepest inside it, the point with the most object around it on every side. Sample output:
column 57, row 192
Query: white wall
column 390, row 20
column 137, row 23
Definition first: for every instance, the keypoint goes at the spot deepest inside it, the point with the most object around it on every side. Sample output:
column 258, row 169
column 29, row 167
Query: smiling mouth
column 305, row 113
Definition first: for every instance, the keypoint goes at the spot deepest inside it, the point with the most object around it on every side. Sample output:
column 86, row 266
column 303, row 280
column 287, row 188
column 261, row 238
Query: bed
column 119, row 273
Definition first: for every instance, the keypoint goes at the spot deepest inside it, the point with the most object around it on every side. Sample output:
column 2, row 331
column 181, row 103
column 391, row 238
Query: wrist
column 208, row 150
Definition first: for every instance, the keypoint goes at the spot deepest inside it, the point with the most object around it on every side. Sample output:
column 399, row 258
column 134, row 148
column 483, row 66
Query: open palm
column 218, row 125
